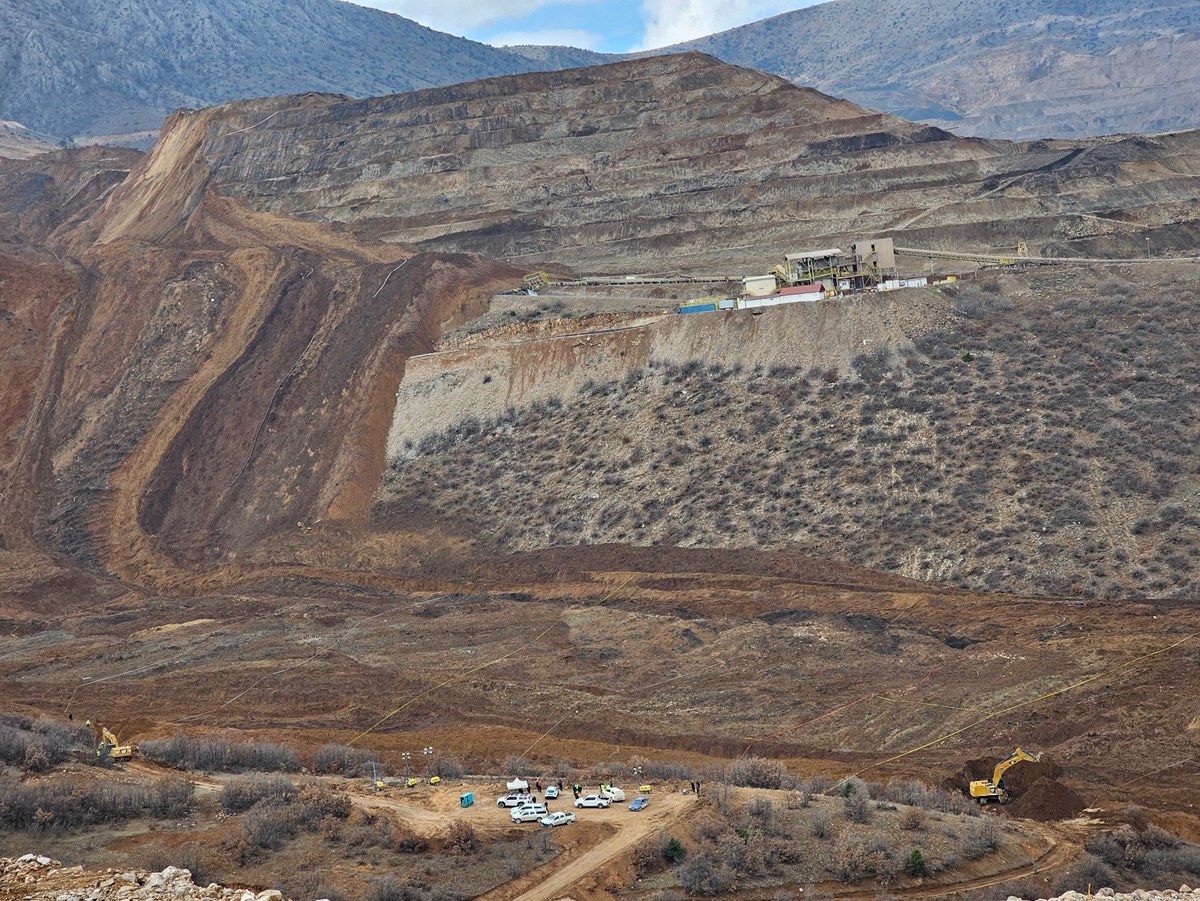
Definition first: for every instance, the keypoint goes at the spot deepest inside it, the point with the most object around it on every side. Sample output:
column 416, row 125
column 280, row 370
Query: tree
column 915, row 865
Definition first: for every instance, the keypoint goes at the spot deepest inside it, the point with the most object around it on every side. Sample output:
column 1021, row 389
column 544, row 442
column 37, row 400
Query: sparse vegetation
column 216, row 755
column 69, row 804
column 986, row 475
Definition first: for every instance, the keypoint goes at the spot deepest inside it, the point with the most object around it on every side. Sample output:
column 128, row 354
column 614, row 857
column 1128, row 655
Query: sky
column 612, row 26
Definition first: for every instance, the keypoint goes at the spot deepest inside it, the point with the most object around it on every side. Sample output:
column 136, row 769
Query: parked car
column 551, row 792
column 527, row 813
column 639, row 803
column 558, row 818
column 613, row 793
column 593, row 801
column 515, row 799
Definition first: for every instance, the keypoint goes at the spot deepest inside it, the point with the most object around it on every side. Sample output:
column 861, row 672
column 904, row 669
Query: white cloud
column 460, row 16
column 670, row 22
column 553, row 37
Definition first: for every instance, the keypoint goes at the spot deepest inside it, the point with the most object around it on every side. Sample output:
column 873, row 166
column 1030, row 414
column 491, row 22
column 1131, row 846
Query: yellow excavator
column 985, row 790
column 105, row 738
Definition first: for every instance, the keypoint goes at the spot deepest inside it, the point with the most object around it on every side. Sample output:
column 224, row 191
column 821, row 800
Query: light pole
column 406, row 757
column 428, row 752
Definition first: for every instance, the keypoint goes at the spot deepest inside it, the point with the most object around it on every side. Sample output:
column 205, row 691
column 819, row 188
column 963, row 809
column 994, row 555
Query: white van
column 613, row 793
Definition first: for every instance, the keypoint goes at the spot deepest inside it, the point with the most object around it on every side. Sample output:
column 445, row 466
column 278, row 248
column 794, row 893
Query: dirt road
column 631, row 829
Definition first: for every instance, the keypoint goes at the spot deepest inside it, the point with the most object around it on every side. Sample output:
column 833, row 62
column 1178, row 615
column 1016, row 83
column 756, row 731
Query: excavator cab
column 987, row 790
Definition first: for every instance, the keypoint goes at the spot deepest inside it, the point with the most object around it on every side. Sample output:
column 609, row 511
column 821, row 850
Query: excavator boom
column 984, row 790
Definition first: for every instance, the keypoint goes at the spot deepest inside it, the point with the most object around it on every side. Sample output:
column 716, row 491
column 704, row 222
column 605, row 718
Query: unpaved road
column 631, row 828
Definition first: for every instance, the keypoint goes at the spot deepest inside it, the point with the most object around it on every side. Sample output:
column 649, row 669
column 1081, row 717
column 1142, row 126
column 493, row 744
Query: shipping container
column 727, row 303
column 698, row 308
column 802, row 289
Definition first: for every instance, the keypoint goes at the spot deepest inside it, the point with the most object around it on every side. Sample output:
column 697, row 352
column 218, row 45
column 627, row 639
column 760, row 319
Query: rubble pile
column 1185, row 893
column 37, row 878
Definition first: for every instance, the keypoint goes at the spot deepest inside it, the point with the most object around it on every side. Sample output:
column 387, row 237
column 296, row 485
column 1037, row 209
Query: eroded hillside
column 684, row 163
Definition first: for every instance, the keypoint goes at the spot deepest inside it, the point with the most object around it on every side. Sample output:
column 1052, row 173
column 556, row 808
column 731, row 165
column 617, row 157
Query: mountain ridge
column 119, row 66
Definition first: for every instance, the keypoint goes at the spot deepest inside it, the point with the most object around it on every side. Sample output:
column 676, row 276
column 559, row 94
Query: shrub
column 171, row 797
column 913, row 819
column 855, row 858
column 699, row 875
column 1089, row 871
column 217, row 755
column 462, row 839
column 755, row 772
column 344, row 760
column 857, row 808
column 242, row 793
column 820, row 824
column 980, row 839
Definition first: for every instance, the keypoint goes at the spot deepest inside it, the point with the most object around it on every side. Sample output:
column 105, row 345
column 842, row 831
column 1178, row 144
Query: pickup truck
column 515, row 799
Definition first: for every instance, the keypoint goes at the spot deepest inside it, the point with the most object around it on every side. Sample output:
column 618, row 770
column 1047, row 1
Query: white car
column 551, row 792
column 558, row 818
column 593, row 801
column 613, row 793
column 527, row 813
column 514, row 799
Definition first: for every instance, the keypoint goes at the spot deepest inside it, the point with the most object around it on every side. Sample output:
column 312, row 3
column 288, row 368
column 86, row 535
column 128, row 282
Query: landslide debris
column 683, row 163
column 34, row 877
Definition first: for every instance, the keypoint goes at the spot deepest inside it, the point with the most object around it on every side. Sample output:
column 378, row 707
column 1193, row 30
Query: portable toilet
column 466, row 799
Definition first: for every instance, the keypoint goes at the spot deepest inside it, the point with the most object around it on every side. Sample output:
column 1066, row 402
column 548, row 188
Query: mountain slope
column 1024, row 69
column 119, row 66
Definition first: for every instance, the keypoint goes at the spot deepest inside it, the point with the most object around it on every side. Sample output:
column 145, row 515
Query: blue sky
column 614, row 26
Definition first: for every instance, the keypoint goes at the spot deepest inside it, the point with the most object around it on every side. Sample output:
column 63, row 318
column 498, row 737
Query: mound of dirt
column 1034, row 788
column 1047, row 799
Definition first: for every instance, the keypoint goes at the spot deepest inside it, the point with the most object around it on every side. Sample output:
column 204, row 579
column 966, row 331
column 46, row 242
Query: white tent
column 518, row 785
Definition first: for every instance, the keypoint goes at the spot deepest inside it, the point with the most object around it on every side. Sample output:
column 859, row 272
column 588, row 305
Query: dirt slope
column 684, row 163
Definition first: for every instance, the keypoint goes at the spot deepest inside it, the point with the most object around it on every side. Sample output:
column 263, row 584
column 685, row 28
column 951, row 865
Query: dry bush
column 700, row 874
column 462, row 839
column 820, row 824
column 242, row 793
column 216, row 755
column 346, row 761
column 856, row 808
column 856, row 858
column 913, row 819
column 980, row 838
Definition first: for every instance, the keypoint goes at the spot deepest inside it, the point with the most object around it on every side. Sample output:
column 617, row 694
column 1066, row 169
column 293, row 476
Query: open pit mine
column 372, row 470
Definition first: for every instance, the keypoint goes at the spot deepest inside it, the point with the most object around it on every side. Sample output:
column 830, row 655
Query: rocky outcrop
column 34, row 877
column 116, row 67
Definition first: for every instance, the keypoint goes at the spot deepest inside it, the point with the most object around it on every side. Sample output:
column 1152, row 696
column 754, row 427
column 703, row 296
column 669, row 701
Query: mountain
column 1022, row 69
column 115, row 67
column 214, row 335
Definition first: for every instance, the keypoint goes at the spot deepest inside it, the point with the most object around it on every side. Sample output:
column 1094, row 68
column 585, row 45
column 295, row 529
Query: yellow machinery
column 534, row 282
column 106, row 739
column 984, row 790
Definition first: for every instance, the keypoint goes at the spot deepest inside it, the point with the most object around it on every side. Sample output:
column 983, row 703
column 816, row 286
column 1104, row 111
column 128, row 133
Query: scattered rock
column 28, row 878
